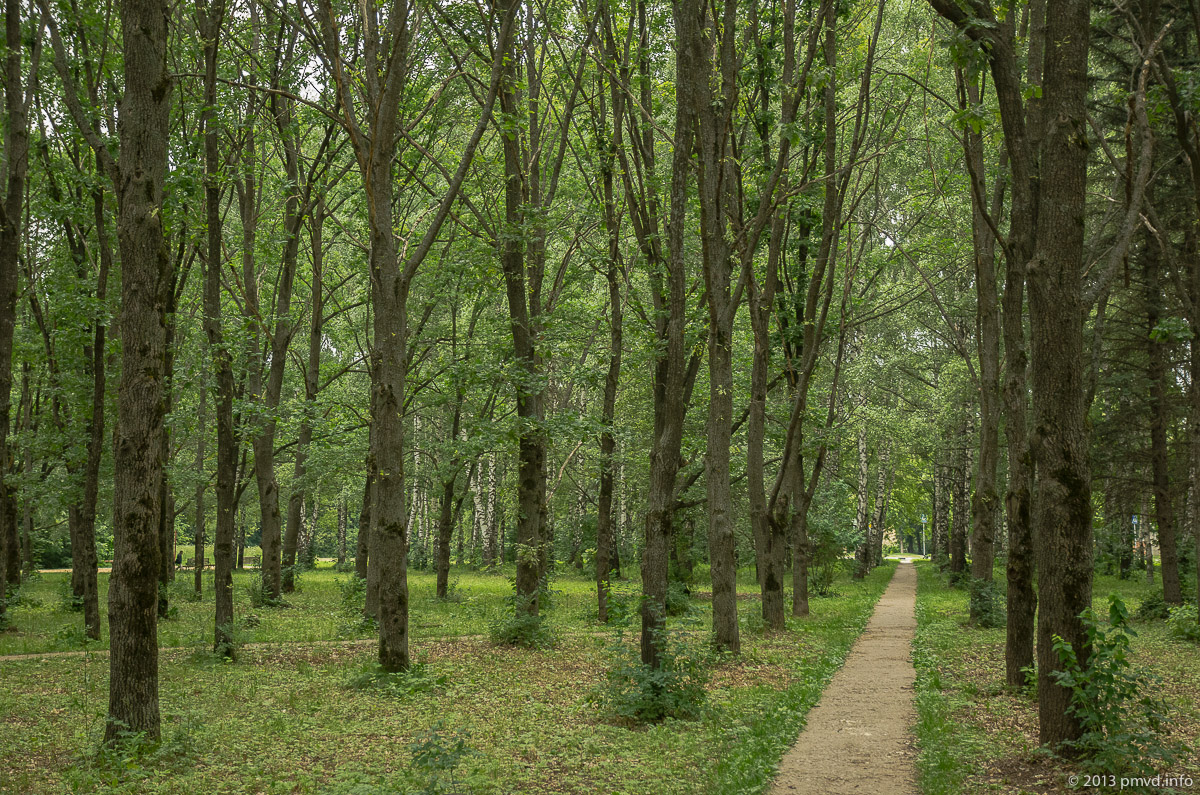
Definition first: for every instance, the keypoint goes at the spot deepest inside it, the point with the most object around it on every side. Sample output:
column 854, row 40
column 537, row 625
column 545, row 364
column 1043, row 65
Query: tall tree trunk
column 1164, row 509
column 520, row 179
column 1063, row 510
column 209, row 20
column 137, row 462
column 986, row 498
column 960, row 487
column 445, row 528
column 198, row 526
column 608, row 443
column 312, row 375
column 16, row 166
column 670, row 366
column 862, row 516
column 697, row 38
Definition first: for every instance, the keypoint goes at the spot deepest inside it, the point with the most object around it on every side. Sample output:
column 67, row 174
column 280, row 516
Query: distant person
column 179, row 559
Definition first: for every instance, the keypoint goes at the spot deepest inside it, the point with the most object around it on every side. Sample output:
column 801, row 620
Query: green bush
column 644, row 694
column 1123, row 724
column 436, row 757
column 418, row 678
column 1152, row 608
column 1182, row 625
column 261, row 596
column 987, row 603
column 517, row 626
column 679, row 599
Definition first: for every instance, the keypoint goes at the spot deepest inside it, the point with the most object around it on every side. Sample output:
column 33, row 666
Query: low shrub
column 418, row 678
column 1124, row 726
column 1182, row 624
column 1152, row 608
column 645, row 694
column 516, row 625
column 988, row 608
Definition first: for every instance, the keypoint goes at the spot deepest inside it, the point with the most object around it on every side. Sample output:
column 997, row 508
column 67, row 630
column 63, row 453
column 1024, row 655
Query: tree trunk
column 986, row 498
column 1062, row 510
column 201, row 487
column 960, row 521
column 16, row 165
column 312, row 375
column 137, row 462
column 1164, row 509
column 342, row 521
column 862, row 520
column 445, row 529
column 209, row 21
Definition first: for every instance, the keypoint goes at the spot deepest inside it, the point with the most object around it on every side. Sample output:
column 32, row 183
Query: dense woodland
column 648, row 290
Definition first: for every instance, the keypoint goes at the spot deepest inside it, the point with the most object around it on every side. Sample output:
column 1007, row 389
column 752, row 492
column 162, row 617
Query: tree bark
column 1164, row 509
column 209, row 19
column 1063, row 511
column 16, row 166
column 138, row 465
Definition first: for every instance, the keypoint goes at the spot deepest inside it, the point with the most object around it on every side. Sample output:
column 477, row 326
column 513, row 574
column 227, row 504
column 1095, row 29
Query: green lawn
column 282, row 719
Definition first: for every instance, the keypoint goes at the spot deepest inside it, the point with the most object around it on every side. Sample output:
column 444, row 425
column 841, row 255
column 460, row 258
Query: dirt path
column 857, row 738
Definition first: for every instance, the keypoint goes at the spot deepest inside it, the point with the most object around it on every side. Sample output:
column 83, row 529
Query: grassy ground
column 283, row 718
column 975, row 736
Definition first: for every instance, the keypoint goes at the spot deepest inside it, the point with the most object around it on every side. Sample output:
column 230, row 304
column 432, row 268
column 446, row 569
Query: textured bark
column 670, row 366
column 1063, row 511
column 1022, row 130
column 985, row 501
column 198, row 525
column 1164, row 509
column 608, row 443
column 862, row 516
column 138, row 467
column 16, row 165
column 312, row 375
column 710, row 77
column 445, row 526
column 362, row 545
column 209, row 19
column 960, row 487
column 369, row 110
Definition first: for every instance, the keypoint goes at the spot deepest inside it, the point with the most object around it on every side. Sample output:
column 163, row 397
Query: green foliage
column 644, row 694
column 679, row 599
column 352, row 608
column 1182, row 624
column 1152, row 608
column 1123, row 724
column 260, row 596
column 516, row 625
column 418, row 678
column 987, row 603
column 436, row 757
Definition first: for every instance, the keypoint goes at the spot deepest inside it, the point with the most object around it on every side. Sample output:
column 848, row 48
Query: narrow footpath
column 858, row 736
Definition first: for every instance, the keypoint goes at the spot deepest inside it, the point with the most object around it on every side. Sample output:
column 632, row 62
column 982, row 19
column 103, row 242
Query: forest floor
column 859, row 736
column 976, row 736
column 293, row 715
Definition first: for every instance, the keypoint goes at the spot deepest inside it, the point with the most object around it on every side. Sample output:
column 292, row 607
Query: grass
column 976, row 736
column 292, row 715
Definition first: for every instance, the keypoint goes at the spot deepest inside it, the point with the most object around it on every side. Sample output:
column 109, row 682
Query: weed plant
column 1182, row 625
column 1124, row 725
column 418, row 678
column 643, row 693
column 516, row 625
column 987, row 603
